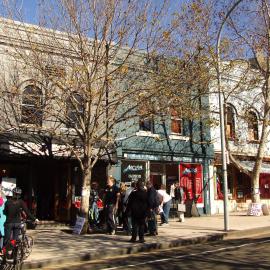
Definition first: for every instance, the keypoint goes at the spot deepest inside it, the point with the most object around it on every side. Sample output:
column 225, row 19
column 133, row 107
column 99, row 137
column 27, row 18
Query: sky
column 29, row 8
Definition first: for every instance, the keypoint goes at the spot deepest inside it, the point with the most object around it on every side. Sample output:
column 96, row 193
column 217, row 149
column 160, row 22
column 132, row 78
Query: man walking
column 111, row 202
column 137, row 205
column 153, row 204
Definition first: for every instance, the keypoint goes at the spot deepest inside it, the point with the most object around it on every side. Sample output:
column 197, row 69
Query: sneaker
column 113, row 232
column 132, row 240
column 165, row 224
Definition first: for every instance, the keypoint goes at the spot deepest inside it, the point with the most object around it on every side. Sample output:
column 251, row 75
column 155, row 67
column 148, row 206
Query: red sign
column 191, row 181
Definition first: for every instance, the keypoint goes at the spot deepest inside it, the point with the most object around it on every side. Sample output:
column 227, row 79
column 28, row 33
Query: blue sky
column 29, row 8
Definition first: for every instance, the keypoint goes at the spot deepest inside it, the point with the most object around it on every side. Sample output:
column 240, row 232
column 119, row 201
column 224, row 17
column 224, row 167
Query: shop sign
column 192, row 181
column 132, row 170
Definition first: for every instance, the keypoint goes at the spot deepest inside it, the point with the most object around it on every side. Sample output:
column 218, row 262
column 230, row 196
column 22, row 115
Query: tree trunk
column 255, row 180
column 87, row 173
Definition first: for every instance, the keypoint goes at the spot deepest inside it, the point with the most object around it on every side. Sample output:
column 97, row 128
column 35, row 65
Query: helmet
column 16, row 191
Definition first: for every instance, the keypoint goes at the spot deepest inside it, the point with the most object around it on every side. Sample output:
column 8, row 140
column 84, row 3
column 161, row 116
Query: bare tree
column 86, row 70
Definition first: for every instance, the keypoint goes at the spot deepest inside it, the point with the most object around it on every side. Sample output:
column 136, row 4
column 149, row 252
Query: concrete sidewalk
column 55, row 246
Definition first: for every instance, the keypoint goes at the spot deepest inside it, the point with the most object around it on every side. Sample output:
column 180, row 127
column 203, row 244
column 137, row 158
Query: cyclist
column 13, row 210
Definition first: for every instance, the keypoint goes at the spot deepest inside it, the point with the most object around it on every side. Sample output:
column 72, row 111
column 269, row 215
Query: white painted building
column 243, row 127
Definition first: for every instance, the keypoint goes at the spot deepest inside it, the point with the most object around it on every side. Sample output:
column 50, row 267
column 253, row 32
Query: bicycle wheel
column 28, row 243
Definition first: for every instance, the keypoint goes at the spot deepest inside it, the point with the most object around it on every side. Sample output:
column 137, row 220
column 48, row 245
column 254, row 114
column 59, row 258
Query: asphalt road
column 247, row 253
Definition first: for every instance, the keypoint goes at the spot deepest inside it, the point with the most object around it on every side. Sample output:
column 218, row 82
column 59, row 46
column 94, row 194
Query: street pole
column 222, row 118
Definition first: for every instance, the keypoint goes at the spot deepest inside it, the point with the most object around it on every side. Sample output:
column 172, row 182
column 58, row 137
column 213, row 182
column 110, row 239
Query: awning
column 249, row 165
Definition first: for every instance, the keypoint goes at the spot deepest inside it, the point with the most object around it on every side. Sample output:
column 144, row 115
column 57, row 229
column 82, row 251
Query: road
column 247, row 253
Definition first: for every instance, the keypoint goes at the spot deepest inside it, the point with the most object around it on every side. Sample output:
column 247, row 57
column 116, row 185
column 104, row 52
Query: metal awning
column 249, row 165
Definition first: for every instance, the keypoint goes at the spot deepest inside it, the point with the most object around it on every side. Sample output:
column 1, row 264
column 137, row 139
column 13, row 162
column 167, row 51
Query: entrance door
column 156, row 180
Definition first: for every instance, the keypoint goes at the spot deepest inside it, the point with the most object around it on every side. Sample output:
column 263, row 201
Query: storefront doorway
column 157, row 174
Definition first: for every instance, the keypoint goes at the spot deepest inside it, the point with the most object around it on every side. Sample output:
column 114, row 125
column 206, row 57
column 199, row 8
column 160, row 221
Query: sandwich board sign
column 79, row 225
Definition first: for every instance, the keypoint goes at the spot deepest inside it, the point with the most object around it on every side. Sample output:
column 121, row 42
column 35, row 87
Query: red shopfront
column 191, row 180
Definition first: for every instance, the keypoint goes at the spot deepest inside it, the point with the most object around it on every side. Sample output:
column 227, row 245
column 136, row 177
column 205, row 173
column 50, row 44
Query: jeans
column 166, row 211
column 138, row 227
column 110, row 219
column 12, row 229
column 94, row 214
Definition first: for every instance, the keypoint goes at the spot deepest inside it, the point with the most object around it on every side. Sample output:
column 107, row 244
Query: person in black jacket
column 153, row 204
column 13, row 210
column 137, row 206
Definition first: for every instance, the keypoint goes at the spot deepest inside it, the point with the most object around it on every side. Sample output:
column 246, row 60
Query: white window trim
column 143, row 133
column 177, row 136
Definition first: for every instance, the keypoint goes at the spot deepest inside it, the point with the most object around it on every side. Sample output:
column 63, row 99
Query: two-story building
column 167, row 150
column 243, row 127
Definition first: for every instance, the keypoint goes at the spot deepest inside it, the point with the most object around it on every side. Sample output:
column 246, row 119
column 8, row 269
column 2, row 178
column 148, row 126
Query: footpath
column 58, row 246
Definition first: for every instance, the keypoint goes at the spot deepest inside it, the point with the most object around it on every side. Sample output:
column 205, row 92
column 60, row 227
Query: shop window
column 31, row 107
column 75, row 110
column 253, row 132
column 265, row 185
column 230, row 123
column 176, row 122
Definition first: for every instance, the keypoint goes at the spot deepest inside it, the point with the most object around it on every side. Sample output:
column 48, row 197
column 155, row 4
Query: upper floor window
column 146, row 119
column 31, row 107
column 230, row 123
column 147, row 124
column 176, row 122
column 253, row 131
column 75, row 110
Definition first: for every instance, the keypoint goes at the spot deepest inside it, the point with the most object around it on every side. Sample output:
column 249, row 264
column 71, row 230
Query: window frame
column 254, row 128
column 232, row 124
column 72, row 110
column 149, row 119
column 176, row 118
column 34, row 107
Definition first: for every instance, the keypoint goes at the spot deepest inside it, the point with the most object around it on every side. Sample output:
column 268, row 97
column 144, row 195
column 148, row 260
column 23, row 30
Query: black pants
column 11, row 229
column 152, row 222
column 110, row 220
column 138, row 227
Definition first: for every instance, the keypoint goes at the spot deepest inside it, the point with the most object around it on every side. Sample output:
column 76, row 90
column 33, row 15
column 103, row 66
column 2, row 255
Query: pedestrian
column 2, row 218
column 93, row 209
column 111, row 203
column 153, row 204
column 166, row 201
column 138, row 205
column 120, row 212
column 13, row 210
column 127, row 216
column 179, row 200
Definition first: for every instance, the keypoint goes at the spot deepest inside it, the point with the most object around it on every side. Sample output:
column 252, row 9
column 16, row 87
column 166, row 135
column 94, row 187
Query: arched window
column 75, row 110
column 31, row 107
column 253, row 131
column 230, row 122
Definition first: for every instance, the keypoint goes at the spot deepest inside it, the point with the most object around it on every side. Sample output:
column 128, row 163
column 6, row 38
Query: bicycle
column 17, row 251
